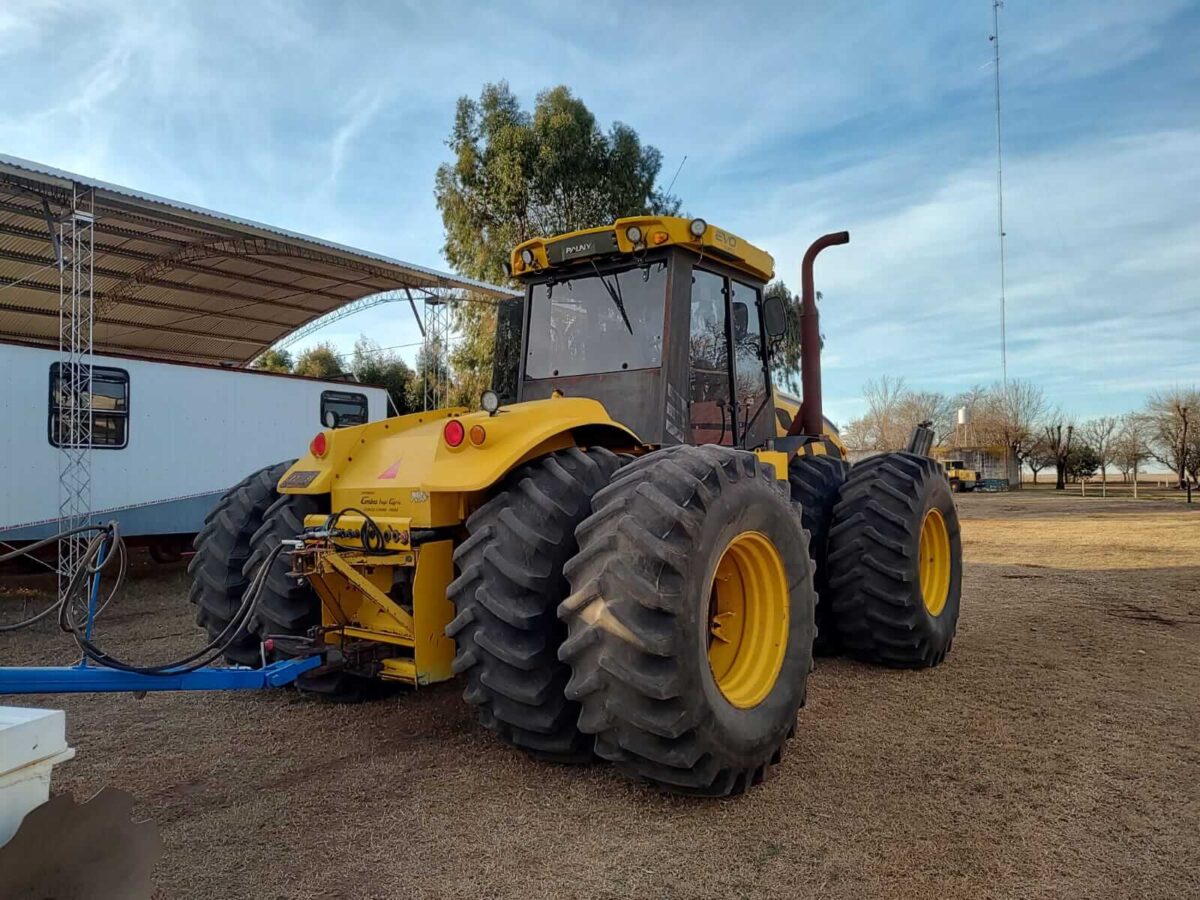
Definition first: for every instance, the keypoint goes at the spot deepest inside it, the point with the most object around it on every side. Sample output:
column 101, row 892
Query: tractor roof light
column 319, row 445
column 697, row 227
column 659, row 237
column 634, row 234
column 454, row 433
column 489, row 402
column 527, row 256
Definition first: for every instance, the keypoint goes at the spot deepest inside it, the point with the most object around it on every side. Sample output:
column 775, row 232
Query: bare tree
column 1040, row 456
column 1173, row 414
column 1058, row 438
column 1098, row 434
column 926, row 406
column 1131, row 446
column 1007, row 416
column 881, row 426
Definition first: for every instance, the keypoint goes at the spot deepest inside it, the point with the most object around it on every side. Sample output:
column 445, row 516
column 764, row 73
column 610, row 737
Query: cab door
column 729, row 398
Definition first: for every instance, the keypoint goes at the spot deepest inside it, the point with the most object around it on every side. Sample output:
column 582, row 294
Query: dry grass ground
column 1055, row 754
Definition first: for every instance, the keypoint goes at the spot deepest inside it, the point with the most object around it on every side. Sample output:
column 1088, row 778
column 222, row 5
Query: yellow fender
column 406, row 467
column 791, row 408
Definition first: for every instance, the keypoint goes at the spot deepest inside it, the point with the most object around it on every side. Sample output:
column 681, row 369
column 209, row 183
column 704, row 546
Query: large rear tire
column 287, row 606
column 895, row 562
column 690, row 620
column 815, row 482
column 222, row 550
column 506, row 596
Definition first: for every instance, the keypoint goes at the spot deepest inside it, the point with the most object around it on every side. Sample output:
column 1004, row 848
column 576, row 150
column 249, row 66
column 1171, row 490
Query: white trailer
column 168, row 438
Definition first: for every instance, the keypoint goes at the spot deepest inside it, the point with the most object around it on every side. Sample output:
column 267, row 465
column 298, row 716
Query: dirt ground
column 1055, row 754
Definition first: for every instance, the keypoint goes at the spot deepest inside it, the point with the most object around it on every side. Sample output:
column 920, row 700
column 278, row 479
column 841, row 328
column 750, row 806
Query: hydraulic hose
column 104, row 551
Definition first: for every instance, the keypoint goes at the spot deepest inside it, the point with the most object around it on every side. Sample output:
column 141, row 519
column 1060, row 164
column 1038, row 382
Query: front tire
column 690, row 620
column 895, row 562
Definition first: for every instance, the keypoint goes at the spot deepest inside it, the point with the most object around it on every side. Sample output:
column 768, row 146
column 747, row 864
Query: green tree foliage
column 373, row 365
column 471, row 358
column 785, row 354
column 319, row 361
column 431, row 379
column 274, row 361
column 517, row 175
column 1082, row 461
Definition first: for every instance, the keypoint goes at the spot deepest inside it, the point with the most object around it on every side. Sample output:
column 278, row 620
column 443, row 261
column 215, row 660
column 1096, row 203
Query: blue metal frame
column 99, row 679
column 83, row 678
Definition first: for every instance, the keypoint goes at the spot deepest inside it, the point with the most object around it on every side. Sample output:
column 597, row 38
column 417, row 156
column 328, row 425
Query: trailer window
column 340, row 409
column 104, row 392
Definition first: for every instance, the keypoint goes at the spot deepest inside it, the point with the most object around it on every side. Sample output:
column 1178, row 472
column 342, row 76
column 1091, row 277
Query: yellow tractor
column 960, row 477
column 628, row 550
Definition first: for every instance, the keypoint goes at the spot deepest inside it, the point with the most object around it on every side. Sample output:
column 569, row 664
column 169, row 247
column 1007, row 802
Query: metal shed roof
column 180, row 282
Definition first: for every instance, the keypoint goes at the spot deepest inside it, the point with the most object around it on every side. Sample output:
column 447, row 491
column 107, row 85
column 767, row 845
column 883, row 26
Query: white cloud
column 796, row 120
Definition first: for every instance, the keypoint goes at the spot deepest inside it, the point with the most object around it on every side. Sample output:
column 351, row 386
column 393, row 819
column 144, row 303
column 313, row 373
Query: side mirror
column 775, row 317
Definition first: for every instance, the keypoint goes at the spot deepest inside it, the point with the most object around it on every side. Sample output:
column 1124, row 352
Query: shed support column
column 71, row 421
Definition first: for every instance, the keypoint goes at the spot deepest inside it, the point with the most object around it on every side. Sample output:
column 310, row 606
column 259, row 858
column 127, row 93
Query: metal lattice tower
column 73, row 396
column 438, row 327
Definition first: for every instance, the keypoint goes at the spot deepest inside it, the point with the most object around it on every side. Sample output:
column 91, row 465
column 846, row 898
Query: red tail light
column 454, row 433
column 319, row 446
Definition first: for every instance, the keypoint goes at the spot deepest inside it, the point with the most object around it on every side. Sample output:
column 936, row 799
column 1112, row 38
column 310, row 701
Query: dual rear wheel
column 691, row 578
column 682, row 650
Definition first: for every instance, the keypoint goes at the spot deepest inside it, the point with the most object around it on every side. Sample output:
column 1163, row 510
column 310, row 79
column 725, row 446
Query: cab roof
column 637, row 234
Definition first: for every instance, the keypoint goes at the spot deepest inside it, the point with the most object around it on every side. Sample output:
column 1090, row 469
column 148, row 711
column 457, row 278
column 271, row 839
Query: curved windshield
column 597, row 322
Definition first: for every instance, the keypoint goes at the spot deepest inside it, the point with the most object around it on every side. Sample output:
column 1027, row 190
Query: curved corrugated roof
column 178, row 281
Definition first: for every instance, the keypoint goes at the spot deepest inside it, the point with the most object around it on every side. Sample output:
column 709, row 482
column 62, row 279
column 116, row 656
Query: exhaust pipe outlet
column 811, row 419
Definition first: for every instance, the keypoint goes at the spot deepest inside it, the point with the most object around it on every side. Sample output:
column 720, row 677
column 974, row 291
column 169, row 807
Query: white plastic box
column 32, row 743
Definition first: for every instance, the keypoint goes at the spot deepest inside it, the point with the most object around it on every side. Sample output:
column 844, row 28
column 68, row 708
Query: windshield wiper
column 615, row 294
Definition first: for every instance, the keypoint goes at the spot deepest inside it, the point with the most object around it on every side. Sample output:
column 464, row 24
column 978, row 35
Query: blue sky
column 796, row 118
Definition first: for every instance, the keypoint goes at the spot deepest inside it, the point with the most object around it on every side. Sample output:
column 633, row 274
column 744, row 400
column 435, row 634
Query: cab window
column 711, row 411
column 596, row 322
column 749, row 374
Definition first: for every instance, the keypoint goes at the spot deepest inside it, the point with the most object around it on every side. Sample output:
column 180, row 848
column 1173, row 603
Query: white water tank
column 964, row 416
column 32, row 743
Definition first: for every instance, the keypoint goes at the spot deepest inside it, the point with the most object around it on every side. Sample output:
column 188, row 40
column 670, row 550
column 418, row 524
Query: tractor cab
column 660, row 319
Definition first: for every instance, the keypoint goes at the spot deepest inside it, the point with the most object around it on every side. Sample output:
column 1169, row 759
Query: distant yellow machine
column 960, row 477
column 621, row 552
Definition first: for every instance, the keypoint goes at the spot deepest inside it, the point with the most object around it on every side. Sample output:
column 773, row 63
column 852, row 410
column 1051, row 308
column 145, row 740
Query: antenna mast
column 996, row 4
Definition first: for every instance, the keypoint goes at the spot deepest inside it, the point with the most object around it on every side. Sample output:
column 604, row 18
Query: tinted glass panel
column 576, row 326
column 342, row 408
column 109, row 392
column 506, row 367
column 750, row 380
column 107, row 398
column 711, row 414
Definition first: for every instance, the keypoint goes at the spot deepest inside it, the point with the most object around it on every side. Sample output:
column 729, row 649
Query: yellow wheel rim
column 935, row 562
column 748, row 619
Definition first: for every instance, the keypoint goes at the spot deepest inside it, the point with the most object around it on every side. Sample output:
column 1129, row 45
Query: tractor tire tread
column 872, row 581
column 628, row 584
column 505, row 597
column 815, row 482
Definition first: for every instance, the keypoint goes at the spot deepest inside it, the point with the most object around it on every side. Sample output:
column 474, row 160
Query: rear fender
column 405, row 467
